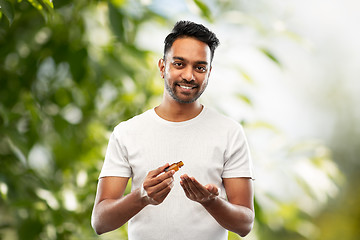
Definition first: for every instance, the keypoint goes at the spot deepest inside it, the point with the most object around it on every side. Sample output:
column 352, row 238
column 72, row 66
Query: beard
column 172, row 90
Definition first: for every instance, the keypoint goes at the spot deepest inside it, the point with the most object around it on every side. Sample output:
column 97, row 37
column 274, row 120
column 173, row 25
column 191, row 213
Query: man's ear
column 161, row 65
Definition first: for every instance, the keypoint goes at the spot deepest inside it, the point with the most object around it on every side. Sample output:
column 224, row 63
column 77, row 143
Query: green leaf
column 16, row 151
column 49, row 3
column 36, row 4
column 204, row 9
column 271, row 56
column 264, row 125
column 46, row 5
column 8, row 10
column 244, row 98
column 117, row 21
column 245, row 75
column 118, row 3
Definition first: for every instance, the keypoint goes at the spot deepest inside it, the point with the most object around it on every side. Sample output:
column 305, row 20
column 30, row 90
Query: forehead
column 190, row 49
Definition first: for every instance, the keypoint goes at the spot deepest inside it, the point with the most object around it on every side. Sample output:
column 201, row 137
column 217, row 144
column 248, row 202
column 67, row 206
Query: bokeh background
column 70, row 71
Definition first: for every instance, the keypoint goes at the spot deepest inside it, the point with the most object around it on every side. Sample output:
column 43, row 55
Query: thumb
column 159, row 170
column 212, row 189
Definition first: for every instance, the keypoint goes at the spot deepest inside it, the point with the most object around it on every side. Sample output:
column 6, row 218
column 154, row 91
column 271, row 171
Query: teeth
column 186, row 87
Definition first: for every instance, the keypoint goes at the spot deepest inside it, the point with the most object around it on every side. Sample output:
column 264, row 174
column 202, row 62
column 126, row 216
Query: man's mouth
column 187, row 87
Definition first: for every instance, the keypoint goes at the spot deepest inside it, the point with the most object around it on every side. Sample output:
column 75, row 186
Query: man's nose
column 188, row 74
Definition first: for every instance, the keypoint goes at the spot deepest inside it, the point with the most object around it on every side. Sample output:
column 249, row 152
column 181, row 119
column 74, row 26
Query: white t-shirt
column 211, row 146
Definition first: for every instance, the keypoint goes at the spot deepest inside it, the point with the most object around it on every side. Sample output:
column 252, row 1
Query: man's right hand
column 157, row 185
column 112, row 209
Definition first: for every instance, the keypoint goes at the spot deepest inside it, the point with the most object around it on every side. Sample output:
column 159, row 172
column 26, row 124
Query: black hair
column 191, row 29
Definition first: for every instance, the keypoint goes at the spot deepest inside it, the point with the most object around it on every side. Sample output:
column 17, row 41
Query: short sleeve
column 238, row 162
column 115, row 163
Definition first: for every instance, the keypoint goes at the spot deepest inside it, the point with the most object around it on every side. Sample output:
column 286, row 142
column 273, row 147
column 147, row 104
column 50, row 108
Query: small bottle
column 174, row 166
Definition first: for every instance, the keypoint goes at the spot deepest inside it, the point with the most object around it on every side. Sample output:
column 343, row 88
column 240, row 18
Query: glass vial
column 174, row 166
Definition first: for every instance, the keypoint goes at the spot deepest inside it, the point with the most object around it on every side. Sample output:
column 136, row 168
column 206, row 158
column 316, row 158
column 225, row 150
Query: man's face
column 186, row 69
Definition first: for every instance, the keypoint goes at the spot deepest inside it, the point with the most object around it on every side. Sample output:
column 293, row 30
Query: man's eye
column 177, row 64
column 201, row 69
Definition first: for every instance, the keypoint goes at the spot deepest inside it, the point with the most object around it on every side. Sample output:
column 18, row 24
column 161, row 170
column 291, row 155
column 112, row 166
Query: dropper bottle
column 174, row 166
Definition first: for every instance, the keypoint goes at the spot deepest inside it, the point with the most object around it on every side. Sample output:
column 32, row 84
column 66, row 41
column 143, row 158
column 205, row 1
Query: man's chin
column 186, row 100
column 183, row 96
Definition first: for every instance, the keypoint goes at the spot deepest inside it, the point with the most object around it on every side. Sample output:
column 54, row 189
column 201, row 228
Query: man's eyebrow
column 183, row 59
column 179, row 58
column 202, row 62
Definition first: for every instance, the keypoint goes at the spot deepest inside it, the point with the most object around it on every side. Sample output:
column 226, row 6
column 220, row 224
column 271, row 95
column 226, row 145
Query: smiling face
column 186, row 69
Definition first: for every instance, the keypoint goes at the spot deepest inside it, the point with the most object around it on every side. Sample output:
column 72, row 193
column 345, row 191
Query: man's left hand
column 197, row 192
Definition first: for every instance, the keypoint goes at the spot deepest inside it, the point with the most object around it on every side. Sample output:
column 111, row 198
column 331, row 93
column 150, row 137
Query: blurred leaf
column 78, row 63
column 49, row 3
column 36, row 4
column 17, row 151
column 244, row 98
column 204, row 9
column 262, row 124
column 271, row 56
column 259, row 211
column 118, row 3
column 233, row 236
column 45, row 7
column 246, row 76
column 30, row 229
column 8, row 10
column 117, row 21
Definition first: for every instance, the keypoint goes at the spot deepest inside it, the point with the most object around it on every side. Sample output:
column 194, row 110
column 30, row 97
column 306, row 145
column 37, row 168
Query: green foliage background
column 53, row 99
column 62, row 90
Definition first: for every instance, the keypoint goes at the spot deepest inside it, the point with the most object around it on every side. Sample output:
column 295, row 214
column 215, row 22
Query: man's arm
column 112, row 209
column 236, row 214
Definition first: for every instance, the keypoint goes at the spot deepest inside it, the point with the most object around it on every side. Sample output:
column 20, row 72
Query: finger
column 212, row 189
column 199, row 187
column 153, row 177
column 192, row 189
column 157, row 171
column 166, row 175
column 155, row 185
column 184, row 183
column 160, row 178
column 186, row 189
column 156, row 189
column 161, row 190
column 165, row 191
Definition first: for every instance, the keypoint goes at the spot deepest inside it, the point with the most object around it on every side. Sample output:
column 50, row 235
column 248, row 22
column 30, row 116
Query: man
column 212, row 147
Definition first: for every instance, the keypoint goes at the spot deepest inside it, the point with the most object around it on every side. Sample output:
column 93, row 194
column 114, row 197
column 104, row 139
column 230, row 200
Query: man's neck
column 178, row 112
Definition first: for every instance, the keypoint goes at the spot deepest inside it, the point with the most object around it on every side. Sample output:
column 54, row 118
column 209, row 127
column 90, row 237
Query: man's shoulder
column 222, row 119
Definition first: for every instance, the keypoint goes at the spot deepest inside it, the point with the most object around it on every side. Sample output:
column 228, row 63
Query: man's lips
column 186, row 86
